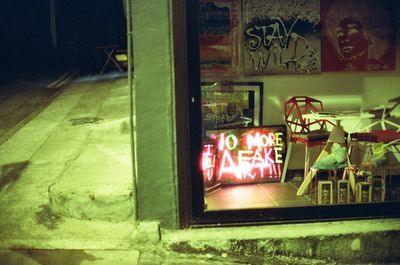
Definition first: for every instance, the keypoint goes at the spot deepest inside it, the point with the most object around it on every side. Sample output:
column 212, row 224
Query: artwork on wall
column 281, row 37
column 219, row 37
column 244, row 155
column 231, row 105
column 358, row 35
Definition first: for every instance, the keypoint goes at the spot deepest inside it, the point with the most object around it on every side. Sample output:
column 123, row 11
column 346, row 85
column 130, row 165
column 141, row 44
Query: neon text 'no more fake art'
column 252, row 156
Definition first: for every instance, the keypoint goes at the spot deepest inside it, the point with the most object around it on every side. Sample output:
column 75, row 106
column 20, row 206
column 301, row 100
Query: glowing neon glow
column 208, row 162
column 229, row 142
column 228, row 165
column 245, row 155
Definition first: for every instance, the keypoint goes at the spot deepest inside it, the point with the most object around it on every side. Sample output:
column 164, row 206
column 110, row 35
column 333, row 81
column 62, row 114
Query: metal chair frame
column 310, row 132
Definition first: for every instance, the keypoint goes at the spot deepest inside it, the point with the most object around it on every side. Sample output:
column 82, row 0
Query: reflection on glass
column 242, row 157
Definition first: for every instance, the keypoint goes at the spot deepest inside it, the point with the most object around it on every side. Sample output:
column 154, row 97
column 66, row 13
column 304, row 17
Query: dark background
column 25, row 38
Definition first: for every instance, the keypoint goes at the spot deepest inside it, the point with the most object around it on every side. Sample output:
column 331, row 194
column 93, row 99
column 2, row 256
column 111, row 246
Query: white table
column 339, row 116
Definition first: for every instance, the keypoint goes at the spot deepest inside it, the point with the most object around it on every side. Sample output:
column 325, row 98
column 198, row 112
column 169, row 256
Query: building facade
column 170, row 69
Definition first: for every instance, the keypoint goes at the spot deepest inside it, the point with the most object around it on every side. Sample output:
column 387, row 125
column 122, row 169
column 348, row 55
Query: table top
column 113, row 46
column 339, row 115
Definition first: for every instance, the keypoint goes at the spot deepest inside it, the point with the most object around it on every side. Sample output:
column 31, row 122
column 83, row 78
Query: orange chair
column 310, row 132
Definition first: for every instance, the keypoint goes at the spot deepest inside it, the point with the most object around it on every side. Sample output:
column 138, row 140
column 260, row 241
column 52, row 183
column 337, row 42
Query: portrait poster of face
column 358, row 35
column 219, row 37
column 281, row 37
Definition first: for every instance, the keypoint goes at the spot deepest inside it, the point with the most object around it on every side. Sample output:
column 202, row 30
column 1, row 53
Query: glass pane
column 262, row 145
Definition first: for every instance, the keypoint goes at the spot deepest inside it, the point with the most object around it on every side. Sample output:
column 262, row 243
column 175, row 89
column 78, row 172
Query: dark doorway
column 27, row 42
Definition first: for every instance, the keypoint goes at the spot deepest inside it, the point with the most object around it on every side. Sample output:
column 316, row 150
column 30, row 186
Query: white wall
column 338, row 91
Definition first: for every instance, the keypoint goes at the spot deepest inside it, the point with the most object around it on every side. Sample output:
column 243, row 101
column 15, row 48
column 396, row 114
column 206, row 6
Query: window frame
column 189, row 142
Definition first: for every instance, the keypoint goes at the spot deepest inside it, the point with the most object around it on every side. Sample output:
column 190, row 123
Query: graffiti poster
column 231, row 105
column 281, row 37
column 219, row 37
column 358, row 35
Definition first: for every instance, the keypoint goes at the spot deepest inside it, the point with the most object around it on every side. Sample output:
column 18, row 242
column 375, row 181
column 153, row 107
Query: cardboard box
column 378, row 189
column 343, row 191
column 363, row 192
column 325, row 192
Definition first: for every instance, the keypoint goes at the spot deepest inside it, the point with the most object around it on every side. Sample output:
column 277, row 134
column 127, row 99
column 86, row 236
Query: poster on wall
column 243, row 155
column 281, row 37
column 219, row 38
column 358, row 35
column 231, row 104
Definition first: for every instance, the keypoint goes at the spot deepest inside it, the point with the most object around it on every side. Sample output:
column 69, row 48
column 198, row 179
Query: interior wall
column 337, row 91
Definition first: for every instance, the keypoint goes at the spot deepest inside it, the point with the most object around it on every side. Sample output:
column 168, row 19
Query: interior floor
column 262, row 195
column 276, row 194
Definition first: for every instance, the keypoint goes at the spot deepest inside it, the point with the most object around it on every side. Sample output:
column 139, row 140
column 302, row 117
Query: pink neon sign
column 244, row 155
column 208, row 162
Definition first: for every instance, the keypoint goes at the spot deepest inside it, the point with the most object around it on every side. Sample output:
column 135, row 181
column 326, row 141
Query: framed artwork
column 244, row 155
column 358, row 35
column 219, row 38
column 281, row 37
column 231, row 105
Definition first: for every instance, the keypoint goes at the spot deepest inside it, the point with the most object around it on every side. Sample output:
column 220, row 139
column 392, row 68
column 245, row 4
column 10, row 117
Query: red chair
column 390, row 138
column 384, row 115
column 310, row 132
column 388, row 134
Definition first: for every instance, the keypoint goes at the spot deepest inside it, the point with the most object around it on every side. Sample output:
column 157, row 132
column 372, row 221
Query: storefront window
column 277, row 137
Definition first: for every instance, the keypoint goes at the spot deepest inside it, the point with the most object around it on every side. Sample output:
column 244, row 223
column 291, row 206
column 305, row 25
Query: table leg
column 336, row 136
column 109, row 57
column 117, row 64
column 307, row 161
column 312, row 172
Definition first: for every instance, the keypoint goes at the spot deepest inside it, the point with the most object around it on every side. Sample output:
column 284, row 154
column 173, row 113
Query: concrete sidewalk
column 64, row 151
column 22, row 98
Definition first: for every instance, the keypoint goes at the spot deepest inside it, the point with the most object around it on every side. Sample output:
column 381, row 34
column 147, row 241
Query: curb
column 345, row 241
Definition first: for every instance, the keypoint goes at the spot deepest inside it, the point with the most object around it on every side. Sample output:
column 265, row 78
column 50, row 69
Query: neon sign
column 244, row 155
column 208, row 162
